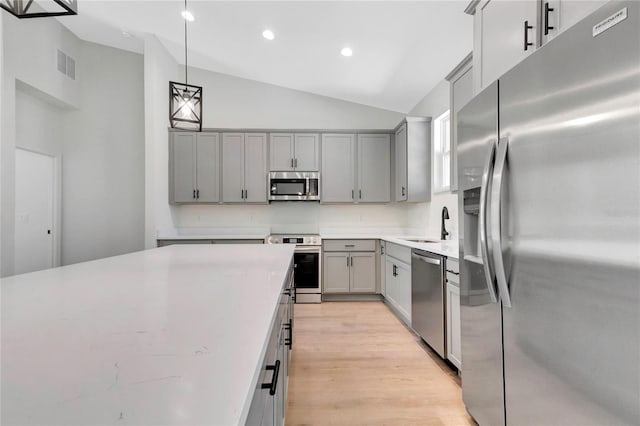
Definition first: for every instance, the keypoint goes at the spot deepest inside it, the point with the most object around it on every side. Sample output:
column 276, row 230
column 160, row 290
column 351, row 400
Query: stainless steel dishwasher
column 427, row 299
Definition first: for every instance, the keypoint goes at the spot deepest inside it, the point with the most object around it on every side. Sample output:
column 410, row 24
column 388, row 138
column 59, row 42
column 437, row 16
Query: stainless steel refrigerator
column 549, row 205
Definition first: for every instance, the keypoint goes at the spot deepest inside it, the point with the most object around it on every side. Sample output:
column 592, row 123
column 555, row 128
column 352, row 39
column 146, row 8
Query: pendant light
column 30, row 9
column 185, row 100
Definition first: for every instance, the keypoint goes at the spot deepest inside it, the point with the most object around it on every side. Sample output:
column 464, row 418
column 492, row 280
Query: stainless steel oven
column 307, row 265
column 294, row 186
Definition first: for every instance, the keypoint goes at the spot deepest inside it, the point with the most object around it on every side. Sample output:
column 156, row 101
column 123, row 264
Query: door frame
column 57, row 202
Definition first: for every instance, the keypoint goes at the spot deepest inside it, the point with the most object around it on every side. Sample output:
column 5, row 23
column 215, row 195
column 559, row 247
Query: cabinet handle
column 246, row 194
column 527, row 27
column 289, row 327
column 194, row 194
column 403, row 191
column 292, row 166
column 274, row 379
column 349, row 245
column 352, row 196
column 395, row 271
column 381, row 249
column 360, row 193
column 198, row 194
column 347, row 261
column 547, row 27
column 295, row 162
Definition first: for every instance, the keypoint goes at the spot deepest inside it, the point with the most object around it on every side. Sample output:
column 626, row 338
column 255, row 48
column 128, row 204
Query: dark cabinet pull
column 289, row 327
column 274, row 379
column 295, row 162
column 246, row 194
column 395, row 271
column 360, row 193
column 242, row 194
column 527, row 27
column 352, row 196
column 194, row 194
column 198, row 194
column 403, row 191
column 292, row 166
column 547, row 27
column 347, row 261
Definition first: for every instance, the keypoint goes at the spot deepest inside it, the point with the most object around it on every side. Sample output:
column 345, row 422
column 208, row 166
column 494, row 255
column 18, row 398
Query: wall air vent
column 66, row 64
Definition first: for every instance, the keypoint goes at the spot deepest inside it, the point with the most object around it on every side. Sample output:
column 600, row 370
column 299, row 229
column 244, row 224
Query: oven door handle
column 308, row 249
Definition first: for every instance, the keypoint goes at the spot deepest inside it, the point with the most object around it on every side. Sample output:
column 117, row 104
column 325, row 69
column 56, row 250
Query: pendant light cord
column 186, row 72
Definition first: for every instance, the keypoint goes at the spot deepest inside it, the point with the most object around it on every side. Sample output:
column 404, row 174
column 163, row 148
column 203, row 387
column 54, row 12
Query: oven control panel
column 300, row 240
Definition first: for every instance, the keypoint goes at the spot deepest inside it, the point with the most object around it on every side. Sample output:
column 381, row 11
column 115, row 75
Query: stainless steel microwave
column 294, row 186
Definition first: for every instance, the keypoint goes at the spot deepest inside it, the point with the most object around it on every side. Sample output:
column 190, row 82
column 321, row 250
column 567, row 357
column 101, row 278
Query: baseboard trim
column 349, row 297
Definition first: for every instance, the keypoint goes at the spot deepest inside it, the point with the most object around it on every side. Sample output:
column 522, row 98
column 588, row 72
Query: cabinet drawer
column 349, row 245
column 454, row 279
column 453, row 265
column 399, row 252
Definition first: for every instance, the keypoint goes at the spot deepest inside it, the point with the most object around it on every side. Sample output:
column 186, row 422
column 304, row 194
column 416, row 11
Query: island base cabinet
column 269, row 403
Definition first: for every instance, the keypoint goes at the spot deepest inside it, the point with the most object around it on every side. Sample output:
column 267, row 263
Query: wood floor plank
column 355, row 363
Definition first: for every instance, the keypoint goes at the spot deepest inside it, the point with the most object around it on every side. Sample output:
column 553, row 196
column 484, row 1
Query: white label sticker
column 612, row 20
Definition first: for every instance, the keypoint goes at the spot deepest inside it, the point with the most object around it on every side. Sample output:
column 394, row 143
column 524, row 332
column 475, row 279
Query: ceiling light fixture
column 188, row 16
column 185, row 100
column 268, row 34
column 30, row 9
column 346, row 51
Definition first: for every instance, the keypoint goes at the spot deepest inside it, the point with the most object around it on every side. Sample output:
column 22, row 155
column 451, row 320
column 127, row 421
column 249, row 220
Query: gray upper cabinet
column 244, row 167
column 193, row 168
column 413, row 160
column 506, row 32
column 460, row 92
column 338, row 174
column 294, row 151
column 374, row 168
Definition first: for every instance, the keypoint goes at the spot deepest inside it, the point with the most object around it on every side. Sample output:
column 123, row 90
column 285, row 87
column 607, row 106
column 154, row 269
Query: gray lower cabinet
column 356, row 168
column 244, row 168
column 413, row 160
column 398, row 280
column 349, row 266
column 193, row 168
column 269, row 402
column 294, row 152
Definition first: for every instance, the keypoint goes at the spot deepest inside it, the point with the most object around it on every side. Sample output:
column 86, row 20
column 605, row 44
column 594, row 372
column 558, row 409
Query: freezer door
column 570, row 225
column 480, row 312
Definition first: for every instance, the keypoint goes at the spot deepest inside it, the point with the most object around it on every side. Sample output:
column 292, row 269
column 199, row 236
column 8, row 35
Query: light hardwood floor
column 355, row 363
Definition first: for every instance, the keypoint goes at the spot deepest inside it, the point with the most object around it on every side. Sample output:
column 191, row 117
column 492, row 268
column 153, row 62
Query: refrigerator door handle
column 487, row 262
column 496, row 232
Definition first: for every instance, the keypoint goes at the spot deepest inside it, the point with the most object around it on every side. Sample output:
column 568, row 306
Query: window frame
column 442, row 153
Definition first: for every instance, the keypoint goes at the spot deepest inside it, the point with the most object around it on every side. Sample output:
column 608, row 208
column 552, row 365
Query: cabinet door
column 255, row 167
column 461, row 93
column 232, row 167
column 454, row 348
column 401, row 163
column 337, row 168
column 363, row 273
column 335, row 272
column 503, row 35
column 307, row 152
column 562, row 14
column 184, row 170
column 374, row 169
column 383, row 268
column 281, row 152
column 404, row 290
column 207, row 172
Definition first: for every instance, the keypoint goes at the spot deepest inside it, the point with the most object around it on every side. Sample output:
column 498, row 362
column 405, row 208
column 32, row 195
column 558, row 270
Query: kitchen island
column 175, row 335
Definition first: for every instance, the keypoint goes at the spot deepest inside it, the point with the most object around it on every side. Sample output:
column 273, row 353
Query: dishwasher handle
column 425, row 259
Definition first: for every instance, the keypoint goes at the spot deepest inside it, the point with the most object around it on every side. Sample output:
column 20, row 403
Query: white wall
column 159, row 69
column 29, row 55
column 94, row 122
column 426, row 217
column 231, row 102
column 103, row 158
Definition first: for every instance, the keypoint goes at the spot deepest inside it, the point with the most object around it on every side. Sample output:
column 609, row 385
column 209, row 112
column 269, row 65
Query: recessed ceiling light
column 188, row 16
column 268, row 34
column 346, row 51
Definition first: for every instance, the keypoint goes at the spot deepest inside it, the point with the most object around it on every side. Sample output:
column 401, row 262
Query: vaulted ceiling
column 401, row 49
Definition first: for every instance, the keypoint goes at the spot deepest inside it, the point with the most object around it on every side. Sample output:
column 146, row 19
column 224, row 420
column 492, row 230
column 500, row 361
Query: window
column 441, row 153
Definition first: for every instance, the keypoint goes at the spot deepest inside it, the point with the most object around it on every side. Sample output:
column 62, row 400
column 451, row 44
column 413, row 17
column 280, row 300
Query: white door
column 34, row 211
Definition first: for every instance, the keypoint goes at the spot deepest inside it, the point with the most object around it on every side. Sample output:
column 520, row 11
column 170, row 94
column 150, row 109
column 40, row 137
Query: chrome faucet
column 443, row 230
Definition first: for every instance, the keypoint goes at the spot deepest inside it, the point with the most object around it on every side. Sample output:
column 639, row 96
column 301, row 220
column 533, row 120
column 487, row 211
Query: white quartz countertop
column 174, row 335
column 447, row 248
